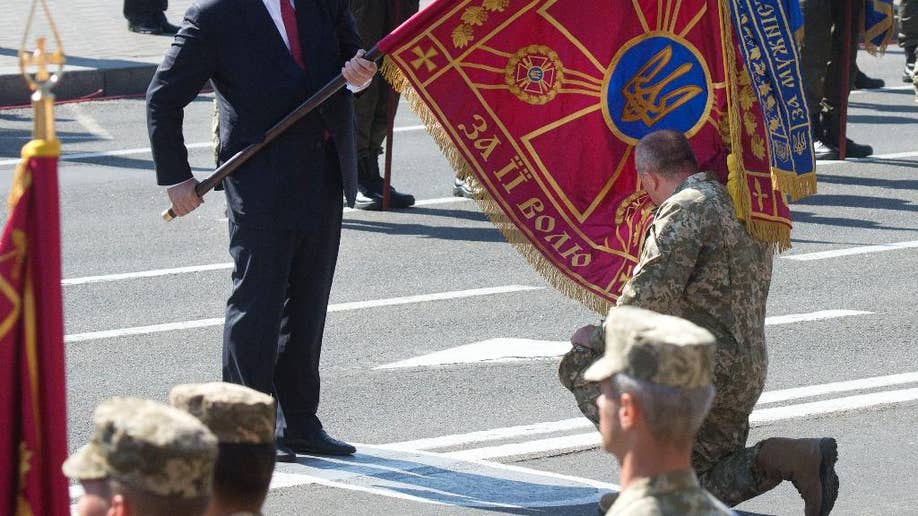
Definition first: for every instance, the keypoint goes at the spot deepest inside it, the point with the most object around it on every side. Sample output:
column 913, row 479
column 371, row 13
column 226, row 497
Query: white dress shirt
column 274, row 9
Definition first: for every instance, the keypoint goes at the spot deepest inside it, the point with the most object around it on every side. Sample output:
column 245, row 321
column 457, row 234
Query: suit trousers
column 275, row 316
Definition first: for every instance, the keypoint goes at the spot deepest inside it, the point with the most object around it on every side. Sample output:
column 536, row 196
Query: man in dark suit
column 265, row 57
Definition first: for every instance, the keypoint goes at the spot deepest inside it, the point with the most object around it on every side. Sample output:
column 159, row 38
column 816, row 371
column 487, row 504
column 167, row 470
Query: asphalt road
column 468, row 433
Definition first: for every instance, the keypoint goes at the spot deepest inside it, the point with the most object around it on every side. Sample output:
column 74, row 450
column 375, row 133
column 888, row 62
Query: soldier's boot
column 808, row 463
column 830, row 124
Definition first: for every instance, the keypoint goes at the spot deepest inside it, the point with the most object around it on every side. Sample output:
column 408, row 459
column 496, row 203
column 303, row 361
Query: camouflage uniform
column 700, row 263
column 148, row 446
column 234, row 413
column 671, row 494
column 666, row 351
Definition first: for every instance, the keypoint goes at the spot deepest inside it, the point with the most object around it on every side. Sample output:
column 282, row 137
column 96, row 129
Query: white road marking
column 340, row 307
column 836, row 387
column 422, row 202
column 885, row 88
column 553, row 444
column 105, row 154
column 409, row 128
column 147, row 274
column 496, row 434
column 580, row 423
column 498, row 350
column 757, row 418
column 87, row 121
column 513, row 349
column 814, row 316
column 850, row 251
column 147, row 150
column 816, row 408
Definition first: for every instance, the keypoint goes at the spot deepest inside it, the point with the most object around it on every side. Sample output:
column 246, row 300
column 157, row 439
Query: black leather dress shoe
column 863, row 82
column 318, row 443
column 370, row 197
column 857, row 150
column 283, row 454
column 145, row 26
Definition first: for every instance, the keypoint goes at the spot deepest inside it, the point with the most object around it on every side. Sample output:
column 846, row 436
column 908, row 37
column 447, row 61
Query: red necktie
column 293, row 34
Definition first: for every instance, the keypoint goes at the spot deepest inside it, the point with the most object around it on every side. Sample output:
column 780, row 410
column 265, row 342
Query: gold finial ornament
column 35, row 68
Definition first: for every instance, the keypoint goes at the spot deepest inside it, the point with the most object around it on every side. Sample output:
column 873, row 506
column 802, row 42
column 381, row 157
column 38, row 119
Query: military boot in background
column 829, row 124
column 808, row 463
column 370, row 187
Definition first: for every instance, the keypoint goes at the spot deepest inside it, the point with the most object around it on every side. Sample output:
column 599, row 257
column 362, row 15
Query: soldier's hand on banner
column 358, row 71
column 184, row 198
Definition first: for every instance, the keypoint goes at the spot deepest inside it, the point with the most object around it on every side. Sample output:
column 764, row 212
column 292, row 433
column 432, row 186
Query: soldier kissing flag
column 543, row 102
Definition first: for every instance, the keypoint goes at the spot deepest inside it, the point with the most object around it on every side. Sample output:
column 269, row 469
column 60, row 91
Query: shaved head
column 666, row 153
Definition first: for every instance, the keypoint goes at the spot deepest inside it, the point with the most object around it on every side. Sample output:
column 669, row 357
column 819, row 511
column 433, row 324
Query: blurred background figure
column 148, row 17
column 375, row 19
column 908, row 36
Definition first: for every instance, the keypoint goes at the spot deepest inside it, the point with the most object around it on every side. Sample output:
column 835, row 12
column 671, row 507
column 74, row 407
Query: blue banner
column 765, row 30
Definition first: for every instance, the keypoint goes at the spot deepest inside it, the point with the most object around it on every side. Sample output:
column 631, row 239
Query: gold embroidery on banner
column 642, row 93
column 475, row 16
column 535, row 74
column 463, row 35
column 425, row 58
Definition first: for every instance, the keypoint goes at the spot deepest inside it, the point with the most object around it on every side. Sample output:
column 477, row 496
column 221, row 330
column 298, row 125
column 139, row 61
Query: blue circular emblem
column 656, row 81
column 536, row 74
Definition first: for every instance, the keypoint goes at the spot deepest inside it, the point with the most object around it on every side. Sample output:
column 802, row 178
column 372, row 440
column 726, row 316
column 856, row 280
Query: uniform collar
column 657, row 485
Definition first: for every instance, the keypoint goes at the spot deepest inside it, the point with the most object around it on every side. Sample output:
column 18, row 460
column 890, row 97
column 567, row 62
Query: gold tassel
column 797, row 187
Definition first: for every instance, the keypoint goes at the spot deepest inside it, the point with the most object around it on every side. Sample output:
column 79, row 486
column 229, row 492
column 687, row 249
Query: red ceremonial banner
column 543, row 101
column 33, row 417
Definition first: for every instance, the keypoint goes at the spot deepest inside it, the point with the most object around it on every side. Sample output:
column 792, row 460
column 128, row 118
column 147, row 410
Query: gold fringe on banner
column 486, row 203
column 794, row 185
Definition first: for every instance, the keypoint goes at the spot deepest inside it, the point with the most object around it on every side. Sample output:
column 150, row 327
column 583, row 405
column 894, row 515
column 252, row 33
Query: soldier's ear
column 628, row 410
column 118, row 506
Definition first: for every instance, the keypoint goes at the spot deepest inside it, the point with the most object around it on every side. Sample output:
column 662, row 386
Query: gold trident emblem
column 643, row 100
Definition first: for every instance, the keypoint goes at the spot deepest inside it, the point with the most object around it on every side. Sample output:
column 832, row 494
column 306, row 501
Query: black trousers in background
column 821, row 55
column 275, row 316
column 375, row 19
column 143, row 9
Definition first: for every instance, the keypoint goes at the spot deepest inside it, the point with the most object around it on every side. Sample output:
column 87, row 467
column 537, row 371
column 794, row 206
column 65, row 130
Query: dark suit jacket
column 236, row 45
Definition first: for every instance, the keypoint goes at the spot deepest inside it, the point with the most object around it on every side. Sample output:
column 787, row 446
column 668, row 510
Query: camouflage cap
column 655, row 348
column 234, row 413
column 149, row 446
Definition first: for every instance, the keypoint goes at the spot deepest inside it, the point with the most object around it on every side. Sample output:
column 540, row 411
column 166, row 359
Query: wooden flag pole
column 285, row 123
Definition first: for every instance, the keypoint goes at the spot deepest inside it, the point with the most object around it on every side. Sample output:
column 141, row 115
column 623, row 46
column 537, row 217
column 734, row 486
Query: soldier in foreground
column 655, row 391
column 147, row 459
column 243, row 421
column 700, row 263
